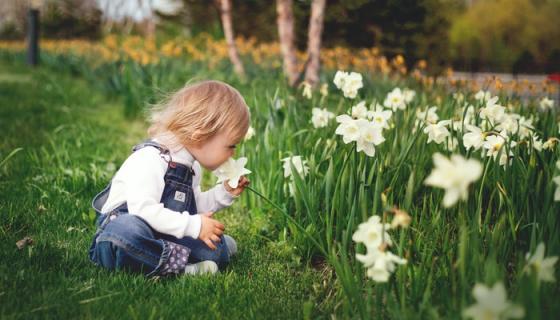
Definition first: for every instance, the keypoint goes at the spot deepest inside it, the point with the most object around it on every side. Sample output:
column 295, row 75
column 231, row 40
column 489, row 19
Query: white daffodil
column 483, row 96
column 348, row 128
column 492, row 303
column 537, row 143
column 370, row 136
column 250, row 133
column 353, row 84
column 278, row 104
column 372, row 233
column 429, row 115
column 231, row 171
column 380, row 117
column 525, row 127
column 474, row 138
column 307, row 90
column 408, row 95
column 492, row 112
column 395, row 100
column 349, row 83
column 509, row 123
column 459, row 97
column 380, row 264
column 556, row 180
column 320, row 117
column 493, row 143
column 360, row 110
column 437, row 132
column 299, row 164
column 544, row 267
column 454, row 175
column 546, row 104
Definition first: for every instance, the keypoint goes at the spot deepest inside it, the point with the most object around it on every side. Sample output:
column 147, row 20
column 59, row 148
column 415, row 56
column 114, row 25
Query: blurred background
column 509, row 36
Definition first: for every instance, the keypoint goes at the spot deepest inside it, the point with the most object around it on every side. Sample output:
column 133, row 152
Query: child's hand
column 210, row 230
column 243, row 182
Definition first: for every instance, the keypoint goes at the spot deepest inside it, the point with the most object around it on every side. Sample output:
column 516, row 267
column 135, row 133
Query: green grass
column 74, row 136
column 73, row 140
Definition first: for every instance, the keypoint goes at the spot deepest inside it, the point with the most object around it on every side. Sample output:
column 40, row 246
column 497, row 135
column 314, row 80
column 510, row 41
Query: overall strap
column 163, row 151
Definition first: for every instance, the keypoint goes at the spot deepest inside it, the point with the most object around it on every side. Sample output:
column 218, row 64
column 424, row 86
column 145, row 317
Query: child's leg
column 127, row 242
column 231, row 245
column 201, row 252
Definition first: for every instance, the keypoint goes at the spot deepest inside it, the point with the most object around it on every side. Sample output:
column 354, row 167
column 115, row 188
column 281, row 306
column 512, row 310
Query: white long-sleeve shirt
column 140, row 182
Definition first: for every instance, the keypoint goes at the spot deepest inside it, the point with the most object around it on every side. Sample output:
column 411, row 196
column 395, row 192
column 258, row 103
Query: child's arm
column 212, row 200
column 143, row 176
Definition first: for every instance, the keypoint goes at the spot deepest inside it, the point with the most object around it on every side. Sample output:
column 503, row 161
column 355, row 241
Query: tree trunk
column 314, row 42
column 227, row 24
column 286, row 35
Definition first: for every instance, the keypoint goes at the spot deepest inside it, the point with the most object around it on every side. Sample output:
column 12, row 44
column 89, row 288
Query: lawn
column 72, row 139
column 380, row 195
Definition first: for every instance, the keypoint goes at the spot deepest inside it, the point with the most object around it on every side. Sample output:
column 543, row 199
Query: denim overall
column 126, row 241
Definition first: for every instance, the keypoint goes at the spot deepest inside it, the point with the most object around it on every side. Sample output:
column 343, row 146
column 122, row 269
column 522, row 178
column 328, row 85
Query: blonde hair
column 198, row 111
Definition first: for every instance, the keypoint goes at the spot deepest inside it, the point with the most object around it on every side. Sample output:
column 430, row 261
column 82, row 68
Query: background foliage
column 498, row 35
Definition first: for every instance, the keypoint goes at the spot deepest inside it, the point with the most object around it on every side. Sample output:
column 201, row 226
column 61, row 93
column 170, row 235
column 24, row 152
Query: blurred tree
column 227, row 24
column 285, row 22
column 506, row 35
column 70, row 19
column 314, row 42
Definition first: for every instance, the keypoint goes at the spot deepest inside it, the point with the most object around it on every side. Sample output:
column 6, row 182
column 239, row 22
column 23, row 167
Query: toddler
column 153, row 217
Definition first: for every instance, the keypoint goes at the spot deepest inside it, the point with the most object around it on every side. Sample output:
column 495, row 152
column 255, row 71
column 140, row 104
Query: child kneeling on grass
column 153, row 217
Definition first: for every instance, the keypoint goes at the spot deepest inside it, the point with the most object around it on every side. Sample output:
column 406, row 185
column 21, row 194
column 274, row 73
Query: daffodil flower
column 379, row 116
column 429, row 115
column 483, row 96
column 544, row 267
column 454, row 175
column 437, row 132
column 493, row 112
column 359, row 111
column 349, row 83
column 320, row 117
column 231, row 171
column 546, row 104
column 474, row 138
column 299, row 164
column 379, row 262
column 408, row 95
column 395, row 100
column 250, row 133
column 372, row 233
column 492, row 303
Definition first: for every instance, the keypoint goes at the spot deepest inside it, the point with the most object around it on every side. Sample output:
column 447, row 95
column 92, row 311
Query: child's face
column 213, row 153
